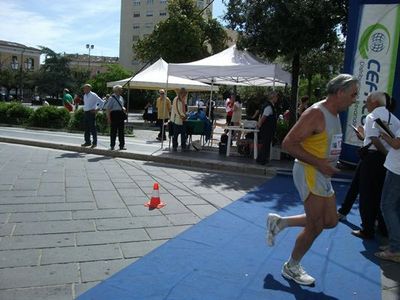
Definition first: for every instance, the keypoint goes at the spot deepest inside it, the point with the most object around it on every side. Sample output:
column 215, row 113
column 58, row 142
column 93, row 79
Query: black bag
column 125, row 114
column 222, row 148
column 363, row 151
column 243, row 147
column 224, row 138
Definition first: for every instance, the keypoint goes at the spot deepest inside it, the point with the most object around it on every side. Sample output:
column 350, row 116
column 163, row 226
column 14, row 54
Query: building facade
column 138, row 18
column 17, row 59
column 95, row 64
column 14, row 56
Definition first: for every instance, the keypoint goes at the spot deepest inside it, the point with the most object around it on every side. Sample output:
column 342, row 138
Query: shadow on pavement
column 270, row 283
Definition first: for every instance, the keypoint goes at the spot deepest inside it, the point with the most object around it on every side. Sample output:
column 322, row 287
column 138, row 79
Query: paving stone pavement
column 70, row 220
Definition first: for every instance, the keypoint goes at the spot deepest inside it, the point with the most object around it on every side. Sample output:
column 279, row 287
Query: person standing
column 178, row 115
column 267, row 125
column 78, row 100
column 91, row 104
column 372, row 171
column 303, row 105
column 229, row 109
column 163, row 106
column 315, row 142
column 390, row 203
column 116, row 116
column 67, row 100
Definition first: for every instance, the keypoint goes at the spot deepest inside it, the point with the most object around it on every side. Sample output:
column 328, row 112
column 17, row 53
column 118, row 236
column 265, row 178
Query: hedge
column 14, row 113
column 50, row 117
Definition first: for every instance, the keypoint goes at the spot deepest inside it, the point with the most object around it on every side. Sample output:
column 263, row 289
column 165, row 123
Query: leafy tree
column 8, row 79
column 323, row 62
column 289, row 28
column 183, row 37
column 54, row 75
column 114, row 72
column 79, row 76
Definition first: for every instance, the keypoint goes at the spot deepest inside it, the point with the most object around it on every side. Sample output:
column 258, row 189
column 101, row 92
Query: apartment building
column 17, row 57
column 138, row 18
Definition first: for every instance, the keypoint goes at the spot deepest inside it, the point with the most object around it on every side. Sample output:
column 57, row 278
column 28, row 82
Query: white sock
column 282, row 223
column 292, row 262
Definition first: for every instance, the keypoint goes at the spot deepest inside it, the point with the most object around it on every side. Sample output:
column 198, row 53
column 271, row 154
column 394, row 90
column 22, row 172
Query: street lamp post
column 89, row 47
column 21, row 87
column 14, row 66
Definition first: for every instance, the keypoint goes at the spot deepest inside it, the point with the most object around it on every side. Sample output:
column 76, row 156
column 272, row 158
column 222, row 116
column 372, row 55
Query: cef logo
column 374, row 40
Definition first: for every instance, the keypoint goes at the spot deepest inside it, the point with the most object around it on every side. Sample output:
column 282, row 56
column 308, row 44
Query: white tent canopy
column 155, row 76
column 232, row 67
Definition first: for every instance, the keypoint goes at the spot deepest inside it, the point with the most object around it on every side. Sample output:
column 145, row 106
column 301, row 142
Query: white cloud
column 63, row 26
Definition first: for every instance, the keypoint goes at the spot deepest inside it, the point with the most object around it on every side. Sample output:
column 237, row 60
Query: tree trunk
column 309, row 85
column 295, row 86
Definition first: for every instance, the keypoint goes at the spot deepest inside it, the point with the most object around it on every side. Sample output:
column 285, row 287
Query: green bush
column 14, row 113
column 77, row 120
column 50, row 117
column 101, row 123
column 282, row 129
column 3, row 112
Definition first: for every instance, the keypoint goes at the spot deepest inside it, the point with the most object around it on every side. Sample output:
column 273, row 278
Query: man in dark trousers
column 372, row 170
column 267, row 126
column 116, row 114
column 91, row 105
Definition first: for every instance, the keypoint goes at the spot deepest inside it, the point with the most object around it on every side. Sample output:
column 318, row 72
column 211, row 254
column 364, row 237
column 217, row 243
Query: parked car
column 54, row 100
column 36, row 100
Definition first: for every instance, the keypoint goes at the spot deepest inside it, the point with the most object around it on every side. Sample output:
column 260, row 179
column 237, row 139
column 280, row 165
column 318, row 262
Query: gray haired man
column 116, row 113
column 315, row 142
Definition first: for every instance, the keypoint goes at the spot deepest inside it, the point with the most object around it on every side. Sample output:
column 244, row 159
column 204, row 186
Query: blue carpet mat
column 225, row 257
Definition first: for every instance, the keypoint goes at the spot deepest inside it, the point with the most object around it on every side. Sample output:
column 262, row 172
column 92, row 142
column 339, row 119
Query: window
column 14, row 63
column 136, row 14
column 149, row 26
column 150, row 2
column 136, row 2
column 163, row 1
column 149, row 13
column 135, row 38
column 163, row 13
column 136, row 26
column 29, row 64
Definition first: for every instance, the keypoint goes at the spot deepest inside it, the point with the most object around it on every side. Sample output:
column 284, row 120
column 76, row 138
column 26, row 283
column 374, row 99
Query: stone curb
column 204, row 164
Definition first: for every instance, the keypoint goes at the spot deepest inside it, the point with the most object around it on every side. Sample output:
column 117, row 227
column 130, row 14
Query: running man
column 315, row 142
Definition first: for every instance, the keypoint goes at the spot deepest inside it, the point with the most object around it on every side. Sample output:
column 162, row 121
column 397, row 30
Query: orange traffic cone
column 155, row 199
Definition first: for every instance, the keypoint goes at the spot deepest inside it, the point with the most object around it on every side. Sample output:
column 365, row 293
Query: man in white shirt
column 267, row 126
column 91, row 104
column 390, row 203
column 372, row 171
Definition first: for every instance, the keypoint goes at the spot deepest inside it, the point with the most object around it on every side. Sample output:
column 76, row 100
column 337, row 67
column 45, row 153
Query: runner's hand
column 325, row 167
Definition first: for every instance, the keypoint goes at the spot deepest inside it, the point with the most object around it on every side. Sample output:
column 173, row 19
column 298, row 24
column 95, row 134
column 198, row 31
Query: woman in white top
column 237, row 116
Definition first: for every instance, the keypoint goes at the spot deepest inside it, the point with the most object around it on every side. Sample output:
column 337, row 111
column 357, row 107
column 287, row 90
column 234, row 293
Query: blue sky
column 67, row 26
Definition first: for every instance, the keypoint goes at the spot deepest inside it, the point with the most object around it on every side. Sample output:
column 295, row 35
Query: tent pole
column 127, row 103
column 164, row 107
column 210, row 102
column 273, row 84
column 210, row 107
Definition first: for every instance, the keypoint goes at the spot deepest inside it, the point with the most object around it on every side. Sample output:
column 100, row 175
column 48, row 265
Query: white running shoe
column 297, row 274
column 272, row 228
